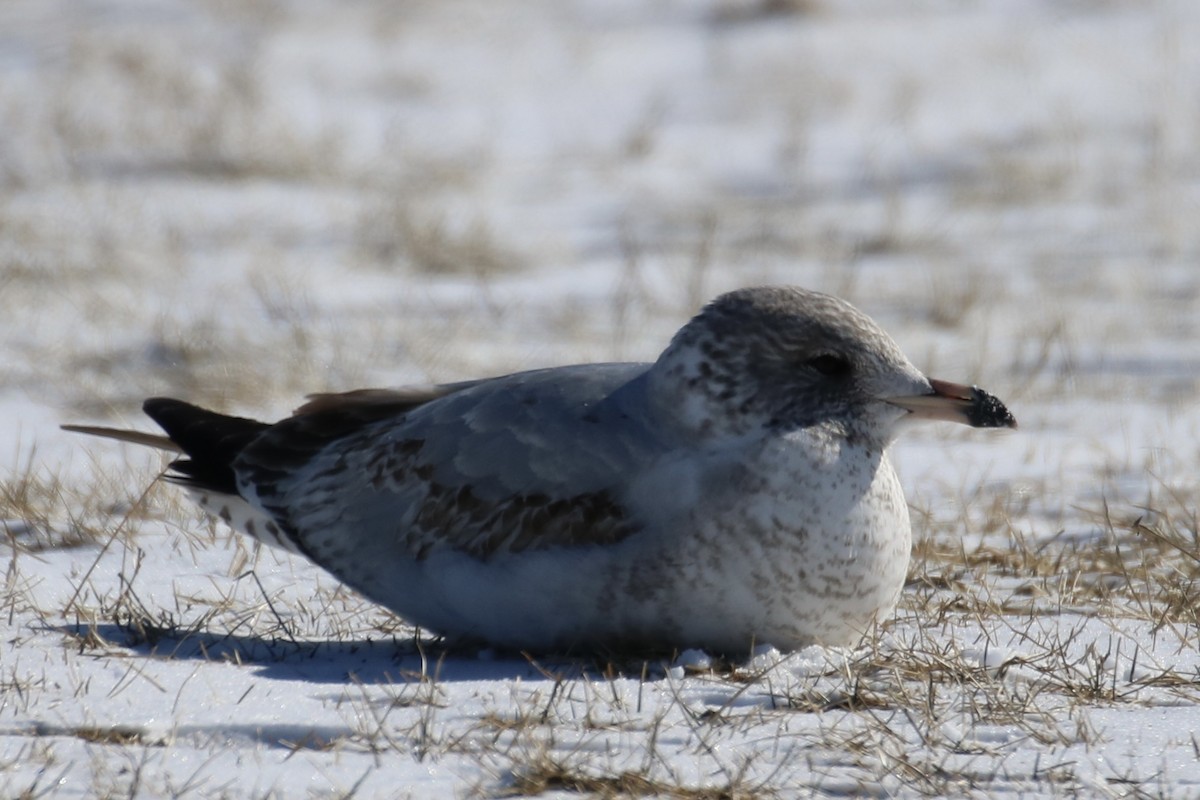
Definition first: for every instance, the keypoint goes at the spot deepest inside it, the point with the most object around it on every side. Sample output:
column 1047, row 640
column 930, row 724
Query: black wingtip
column 211, row 441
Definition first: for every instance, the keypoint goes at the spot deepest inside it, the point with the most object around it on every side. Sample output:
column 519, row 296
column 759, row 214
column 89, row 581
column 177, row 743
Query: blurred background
column 242, row 201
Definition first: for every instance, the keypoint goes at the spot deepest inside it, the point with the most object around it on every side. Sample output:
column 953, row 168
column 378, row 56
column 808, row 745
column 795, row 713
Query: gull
column 735, row 492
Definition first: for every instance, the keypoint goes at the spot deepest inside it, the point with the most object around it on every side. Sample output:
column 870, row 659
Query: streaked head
column 784, row 358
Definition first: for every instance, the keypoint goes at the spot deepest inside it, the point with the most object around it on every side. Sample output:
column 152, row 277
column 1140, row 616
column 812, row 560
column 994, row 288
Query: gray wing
column 524, row 462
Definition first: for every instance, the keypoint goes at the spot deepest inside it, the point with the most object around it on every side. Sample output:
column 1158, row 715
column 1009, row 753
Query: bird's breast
column 796, row 541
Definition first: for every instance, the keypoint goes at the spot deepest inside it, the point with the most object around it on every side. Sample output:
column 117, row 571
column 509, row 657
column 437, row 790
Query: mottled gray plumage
column 736, row 491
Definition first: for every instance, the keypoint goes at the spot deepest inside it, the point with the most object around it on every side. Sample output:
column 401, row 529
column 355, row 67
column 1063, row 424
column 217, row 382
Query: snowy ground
column 240, row 202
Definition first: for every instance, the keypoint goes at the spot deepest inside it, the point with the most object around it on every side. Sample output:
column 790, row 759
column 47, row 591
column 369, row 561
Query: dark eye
column 830, row 365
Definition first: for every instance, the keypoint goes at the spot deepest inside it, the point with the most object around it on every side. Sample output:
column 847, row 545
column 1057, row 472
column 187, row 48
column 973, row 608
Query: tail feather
column 210, row 440
column 121, row 435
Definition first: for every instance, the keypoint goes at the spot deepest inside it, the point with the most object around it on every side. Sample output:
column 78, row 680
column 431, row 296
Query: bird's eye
column 830, row 365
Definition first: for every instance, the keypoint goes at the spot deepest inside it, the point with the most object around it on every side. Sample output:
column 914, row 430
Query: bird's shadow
column 364, row 661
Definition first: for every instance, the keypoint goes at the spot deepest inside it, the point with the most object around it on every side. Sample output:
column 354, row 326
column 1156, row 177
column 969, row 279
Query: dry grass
column 40, row 511
column 1135, row 562
column 546, row 773
column 908, row 713
column 400, row 233
column 159, row 112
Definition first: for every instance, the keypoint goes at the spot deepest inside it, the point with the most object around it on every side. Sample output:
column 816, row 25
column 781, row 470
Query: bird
column 736, row 492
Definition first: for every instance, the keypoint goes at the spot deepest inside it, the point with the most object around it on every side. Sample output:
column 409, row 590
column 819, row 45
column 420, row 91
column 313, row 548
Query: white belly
column 767, row 550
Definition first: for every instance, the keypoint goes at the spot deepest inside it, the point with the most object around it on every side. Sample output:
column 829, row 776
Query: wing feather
column 487, row 469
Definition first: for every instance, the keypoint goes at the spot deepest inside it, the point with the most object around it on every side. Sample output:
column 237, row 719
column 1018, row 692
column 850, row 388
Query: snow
column 239, row 203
